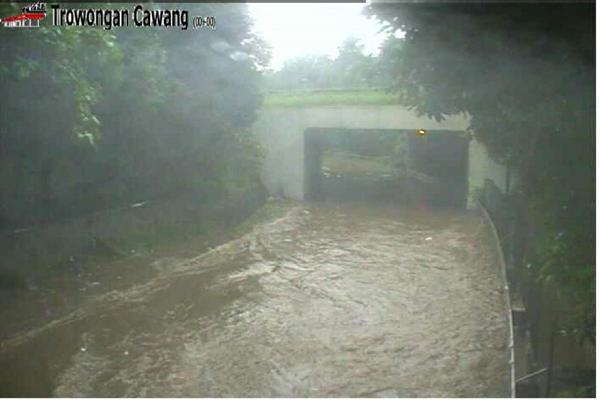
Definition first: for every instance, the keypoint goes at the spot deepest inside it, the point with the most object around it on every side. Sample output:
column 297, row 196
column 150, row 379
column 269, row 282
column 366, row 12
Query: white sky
column 295, row 29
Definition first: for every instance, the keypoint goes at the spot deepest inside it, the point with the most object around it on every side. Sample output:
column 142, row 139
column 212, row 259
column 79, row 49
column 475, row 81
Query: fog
column 392, row 199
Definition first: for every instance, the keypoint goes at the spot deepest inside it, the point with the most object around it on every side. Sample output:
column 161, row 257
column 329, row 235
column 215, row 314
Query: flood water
column 329, row 300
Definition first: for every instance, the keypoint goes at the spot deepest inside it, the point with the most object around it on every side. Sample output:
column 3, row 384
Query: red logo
column 29, row 18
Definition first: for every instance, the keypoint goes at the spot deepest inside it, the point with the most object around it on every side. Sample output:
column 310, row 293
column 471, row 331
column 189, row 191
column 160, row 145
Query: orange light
column 421, row 132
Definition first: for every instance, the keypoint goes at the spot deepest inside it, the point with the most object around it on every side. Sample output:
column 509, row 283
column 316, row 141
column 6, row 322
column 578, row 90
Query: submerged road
column 329, row 300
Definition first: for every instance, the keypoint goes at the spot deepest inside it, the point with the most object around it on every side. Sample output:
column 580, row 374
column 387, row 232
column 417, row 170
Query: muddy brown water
column 329, row 300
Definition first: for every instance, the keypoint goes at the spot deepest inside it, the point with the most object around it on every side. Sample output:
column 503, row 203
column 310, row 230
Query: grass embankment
column 329, row 98
column 204, row 228
column 210, row 228
column 209, row 231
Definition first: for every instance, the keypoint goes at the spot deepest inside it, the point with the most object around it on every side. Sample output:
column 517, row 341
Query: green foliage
column 351, row 68
column 94, row 119
column 525, row 74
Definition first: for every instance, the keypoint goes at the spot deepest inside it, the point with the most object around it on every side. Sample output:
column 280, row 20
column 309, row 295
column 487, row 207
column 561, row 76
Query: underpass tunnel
column 386, row 165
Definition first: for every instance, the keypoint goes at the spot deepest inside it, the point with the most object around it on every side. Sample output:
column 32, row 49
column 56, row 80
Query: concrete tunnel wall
column 280, row 131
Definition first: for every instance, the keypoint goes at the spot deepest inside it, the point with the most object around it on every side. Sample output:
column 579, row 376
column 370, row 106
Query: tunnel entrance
column 386, row 165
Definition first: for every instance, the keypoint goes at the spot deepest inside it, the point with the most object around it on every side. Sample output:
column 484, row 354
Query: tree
column 94, row 118
column 350, row 68
column 48, row 99
column 525, row 74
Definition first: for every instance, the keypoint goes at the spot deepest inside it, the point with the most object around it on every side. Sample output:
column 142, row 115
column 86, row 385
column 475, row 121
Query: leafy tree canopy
column 351, row 68
column 525, row 75
column 92, row 118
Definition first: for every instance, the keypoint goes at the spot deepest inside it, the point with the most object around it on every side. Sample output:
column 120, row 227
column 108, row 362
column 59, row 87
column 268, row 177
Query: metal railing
column 507, row 297
column 506, row 214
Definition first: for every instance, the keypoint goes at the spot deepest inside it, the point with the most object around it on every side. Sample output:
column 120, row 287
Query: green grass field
column 332, row 97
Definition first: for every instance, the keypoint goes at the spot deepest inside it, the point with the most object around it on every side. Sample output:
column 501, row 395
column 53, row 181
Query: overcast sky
column 295, row 29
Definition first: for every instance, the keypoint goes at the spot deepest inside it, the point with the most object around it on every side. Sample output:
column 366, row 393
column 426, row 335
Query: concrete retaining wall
column 281, row 132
